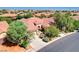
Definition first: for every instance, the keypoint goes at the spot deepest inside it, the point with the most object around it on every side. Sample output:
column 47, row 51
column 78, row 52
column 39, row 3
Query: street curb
column 54, row 39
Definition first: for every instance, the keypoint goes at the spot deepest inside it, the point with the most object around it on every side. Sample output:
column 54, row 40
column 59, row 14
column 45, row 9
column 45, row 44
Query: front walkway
column 37, row 43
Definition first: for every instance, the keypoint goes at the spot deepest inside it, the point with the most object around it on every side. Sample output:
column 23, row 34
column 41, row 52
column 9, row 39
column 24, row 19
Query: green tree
column 57, row 15
column 64, row 22
column 17, row 33
column 61, row 21
column 70, row 25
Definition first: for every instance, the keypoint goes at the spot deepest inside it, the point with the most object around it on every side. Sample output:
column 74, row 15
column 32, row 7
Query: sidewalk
column 37, row 43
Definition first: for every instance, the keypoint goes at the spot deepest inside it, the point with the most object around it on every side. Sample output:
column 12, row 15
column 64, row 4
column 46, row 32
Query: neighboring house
column 34, row 24
column 3, row 26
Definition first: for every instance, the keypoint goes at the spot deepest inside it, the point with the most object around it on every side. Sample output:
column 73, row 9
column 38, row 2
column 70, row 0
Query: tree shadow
column 8, row 44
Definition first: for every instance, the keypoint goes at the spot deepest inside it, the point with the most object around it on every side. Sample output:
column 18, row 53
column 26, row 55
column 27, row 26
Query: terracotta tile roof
column 31, row 21
column 29, row 24
column 3, row 26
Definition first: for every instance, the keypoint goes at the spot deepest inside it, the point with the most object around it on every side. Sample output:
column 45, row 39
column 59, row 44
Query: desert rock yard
column 6, row 46
column 9, row 47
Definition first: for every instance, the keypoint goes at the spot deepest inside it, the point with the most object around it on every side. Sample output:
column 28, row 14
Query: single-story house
column 34, row 23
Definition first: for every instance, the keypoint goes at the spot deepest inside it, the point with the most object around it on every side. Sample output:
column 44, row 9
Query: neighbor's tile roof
column 3, row 26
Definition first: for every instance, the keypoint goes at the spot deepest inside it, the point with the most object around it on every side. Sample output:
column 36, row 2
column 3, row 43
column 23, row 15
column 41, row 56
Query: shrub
column 28, row 15
column 51, row 31
column 42, row 16
column 51, row 15
column 8, row 19
column 46, row 39
column 23, row 43
column 76, row 24
column 17, row 33
column 75, row 14
column 19, row 17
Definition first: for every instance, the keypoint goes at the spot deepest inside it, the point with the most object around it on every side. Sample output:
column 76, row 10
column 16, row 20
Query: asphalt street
column 68, row 43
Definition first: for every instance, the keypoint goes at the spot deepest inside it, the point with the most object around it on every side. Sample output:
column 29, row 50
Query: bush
column 42, row 16
column 23, row 43
column 19, row 17
column 8, row 19
column 46, row 39
column 51, row 31
column 28, row 15
column 76, row 24
column 75, row 14
column 51, row 15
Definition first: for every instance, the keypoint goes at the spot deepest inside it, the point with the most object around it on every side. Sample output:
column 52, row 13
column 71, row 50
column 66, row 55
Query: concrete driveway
column 69, row 43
